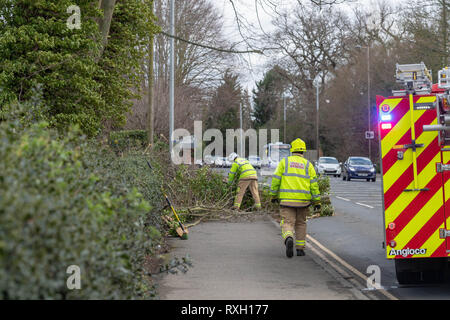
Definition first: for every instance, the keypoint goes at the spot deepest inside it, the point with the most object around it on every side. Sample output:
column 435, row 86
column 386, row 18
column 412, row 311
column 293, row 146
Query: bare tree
column 197, row 22
column 199, row 65
column 310, row 43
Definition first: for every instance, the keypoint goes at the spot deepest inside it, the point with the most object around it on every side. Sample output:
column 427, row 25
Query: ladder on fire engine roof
column 444, row 79
column 414, row 77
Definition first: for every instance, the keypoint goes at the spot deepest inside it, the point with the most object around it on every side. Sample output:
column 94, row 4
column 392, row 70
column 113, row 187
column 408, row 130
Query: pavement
column 245, row 260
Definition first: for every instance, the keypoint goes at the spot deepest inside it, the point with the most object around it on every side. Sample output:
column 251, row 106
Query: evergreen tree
column 266, row 97
column 82, row 82
column 224, row 110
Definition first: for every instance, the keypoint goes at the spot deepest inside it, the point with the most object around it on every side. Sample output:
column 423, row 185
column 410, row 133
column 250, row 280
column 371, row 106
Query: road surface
column 355, row 233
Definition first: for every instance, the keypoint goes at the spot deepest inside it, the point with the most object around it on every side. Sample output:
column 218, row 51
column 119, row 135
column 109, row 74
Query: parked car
column 199, row 163
column 255, row 161
column 209, row 160
column 358, row 168
column 265, row 162
column 329, row 165
column 219, row 162
column 227, row 163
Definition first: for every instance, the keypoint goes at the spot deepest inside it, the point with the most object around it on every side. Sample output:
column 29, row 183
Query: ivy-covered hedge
column 64, row 202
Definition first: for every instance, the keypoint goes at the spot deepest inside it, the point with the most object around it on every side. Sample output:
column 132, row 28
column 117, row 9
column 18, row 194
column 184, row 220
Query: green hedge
column 66, row 203
column 126, row 140
column 324, row 187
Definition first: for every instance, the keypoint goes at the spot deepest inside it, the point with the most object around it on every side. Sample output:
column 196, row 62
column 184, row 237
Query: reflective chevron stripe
column 300, row 243
column 413, row 191
column 287, row 234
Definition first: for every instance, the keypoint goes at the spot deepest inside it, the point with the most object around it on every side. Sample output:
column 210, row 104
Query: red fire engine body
column 415, row 165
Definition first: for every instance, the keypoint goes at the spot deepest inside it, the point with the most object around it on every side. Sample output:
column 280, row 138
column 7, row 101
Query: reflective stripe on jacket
column 295, row 182
column 242, row 169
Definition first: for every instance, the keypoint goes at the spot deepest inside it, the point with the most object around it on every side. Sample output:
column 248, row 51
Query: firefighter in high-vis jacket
column 294, row 183
column 242, row 170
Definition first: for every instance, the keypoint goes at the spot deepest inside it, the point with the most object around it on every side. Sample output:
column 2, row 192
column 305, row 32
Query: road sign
column 370, row 135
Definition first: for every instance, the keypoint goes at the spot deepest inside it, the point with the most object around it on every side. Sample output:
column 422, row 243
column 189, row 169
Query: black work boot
column 300, row 252
column 289, row 247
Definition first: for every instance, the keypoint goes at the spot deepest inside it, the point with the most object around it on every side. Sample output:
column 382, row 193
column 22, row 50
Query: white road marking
column 348, row 266
column 364, row 205
column 345, row 199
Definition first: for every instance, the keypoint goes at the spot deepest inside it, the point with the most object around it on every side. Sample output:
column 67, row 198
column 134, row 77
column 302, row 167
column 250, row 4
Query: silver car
column 209, row 160
column 329, row 165
column 255, row 161
column 227, row 163
column 219, row 162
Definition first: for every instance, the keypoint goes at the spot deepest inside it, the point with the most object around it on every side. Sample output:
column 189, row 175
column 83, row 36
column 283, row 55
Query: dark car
column 358, row 168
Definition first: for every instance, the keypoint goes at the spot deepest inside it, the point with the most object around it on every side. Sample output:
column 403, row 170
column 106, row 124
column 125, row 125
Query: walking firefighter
column 294, row 185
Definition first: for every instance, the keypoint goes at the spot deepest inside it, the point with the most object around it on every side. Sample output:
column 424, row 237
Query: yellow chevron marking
column 403, row 125
column 413, row 137
column 432, row 243
column 392, row 103
column 399, row 167
column 398, row 206
column 405, row 198
column 419, row 220
column 426, row 99
column 445, row 159
column 391, row 139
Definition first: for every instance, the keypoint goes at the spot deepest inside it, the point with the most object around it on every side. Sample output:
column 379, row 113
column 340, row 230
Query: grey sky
column 252, row 66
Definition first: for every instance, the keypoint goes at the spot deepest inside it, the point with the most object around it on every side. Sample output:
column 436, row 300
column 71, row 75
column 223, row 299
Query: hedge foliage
column 71, row 201
column 324, row 187
column 126, row 140
column 64, row 202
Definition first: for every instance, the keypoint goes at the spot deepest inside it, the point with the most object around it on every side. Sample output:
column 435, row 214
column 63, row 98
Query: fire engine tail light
column 392, row 243
column 391, row 226
column 386, row 117
column 386, row 126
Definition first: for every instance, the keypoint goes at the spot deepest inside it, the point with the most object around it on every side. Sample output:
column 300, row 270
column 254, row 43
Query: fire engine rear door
column 444, row 169
column 413, row 190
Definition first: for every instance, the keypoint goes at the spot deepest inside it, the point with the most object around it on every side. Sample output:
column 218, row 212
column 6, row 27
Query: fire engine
column 414, row 135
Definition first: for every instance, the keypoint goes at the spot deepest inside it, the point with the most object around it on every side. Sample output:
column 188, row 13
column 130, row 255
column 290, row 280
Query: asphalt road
column 355, row 233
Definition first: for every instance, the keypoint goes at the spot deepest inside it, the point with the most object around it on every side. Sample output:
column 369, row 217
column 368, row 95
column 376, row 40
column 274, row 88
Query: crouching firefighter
column 242, row 170
column 294, row 185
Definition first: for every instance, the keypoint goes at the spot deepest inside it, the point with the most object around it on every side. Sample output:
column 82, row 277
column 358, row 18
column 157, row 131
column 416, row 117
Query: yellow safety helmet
column 298, row 145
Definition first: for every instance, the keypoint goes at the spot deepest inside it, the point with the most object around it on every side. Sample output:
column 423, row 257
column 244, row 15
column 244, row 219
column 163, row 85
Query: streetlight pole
column 317, row 120
column 241, row 133
column 368, row 97
column 284, row 118
column 172, row 74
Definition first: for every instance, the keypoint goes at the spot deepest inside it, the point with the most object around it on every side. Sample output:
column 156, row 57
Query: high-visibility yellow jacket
column 295, row 182
column 242, row 169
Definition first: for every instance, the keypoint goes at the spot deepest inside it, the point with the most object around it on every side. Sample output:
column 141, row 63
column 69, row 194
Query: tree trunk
column 444, row 33
column 104, row 23
column 151, row 113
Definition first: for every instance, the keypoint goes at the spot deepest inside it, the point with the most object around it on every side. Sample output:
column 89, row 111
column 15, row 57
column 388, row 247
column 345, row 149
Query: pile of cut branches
column 203, row 194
